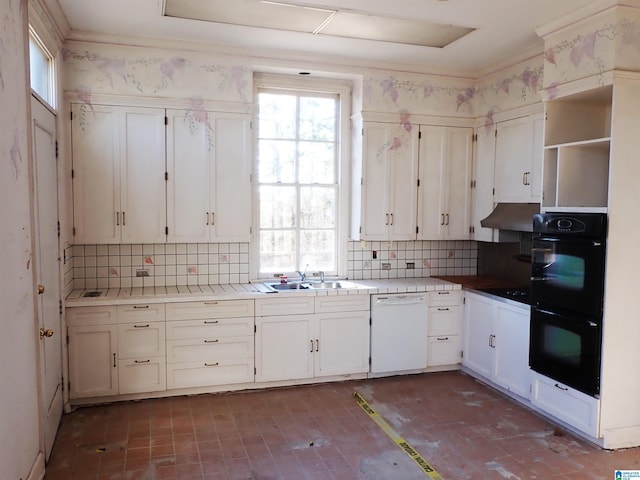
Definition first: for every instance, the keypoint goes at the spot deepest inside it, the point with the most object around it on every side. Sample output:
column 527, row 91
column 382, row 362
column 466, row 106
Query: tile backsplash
column 412, row 259
column 118, row 266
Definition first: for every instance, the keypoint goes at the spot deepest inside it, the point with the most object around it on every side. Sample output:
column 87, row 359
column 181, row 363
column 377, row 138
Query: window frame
column 303, row 85
column 51, row 99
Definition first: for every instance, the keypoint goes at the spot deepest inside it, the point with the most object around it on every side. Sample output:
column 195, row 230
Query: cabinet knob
column 40, row 289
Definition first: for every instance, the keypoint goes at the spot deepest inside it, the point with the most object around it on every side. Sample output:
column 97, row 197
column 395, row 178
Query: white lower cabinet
column 568, row 405
column 210, row 343
column 496, row 344
column 444, row 325
column 116, row 350
column 311, row 337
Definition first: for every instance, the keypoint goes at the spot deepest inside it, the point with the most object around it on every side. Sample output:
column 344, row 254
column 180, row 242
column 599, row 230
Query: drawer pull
column 212, row 364
column 211, row 341
column 445, row 309
column 561, row 387
column 210, row 303
column 114, row 360
column 210, row 322
column 442, row 338
column 141, row 326
column 141, row 361
column 141, row 306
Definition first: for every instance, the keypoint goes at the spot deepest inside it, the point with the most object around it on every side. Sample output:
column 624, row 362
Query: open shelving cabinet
column 576, row 152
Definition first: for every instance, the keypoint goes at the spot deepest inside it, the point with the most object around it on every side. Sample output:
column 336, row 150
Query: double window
column 298, row 177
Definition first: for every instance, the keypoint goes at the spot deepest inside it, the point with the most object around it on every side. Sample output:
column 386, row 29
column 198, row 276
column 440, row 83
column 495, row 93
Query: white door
column 512, row 349
column 47, row 268
column 479, row 335
column 514, row 148
column 431, row 209
column 459, row 141
column 342, row 343
column 482, row 191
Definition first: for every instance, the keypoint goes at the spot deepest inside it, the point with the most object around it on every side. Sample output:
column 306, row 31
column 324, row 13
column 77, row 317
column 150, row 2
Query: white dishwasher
column 398, row 332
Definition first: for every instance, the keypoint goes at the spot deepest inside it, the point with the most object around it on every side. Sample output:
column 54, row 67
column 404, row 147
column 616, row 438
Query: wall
column 19, row 412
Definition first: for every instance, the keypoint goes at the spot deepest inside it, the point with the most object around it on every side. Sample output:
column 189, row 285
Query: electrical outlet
column 386, row 266
column 142, row 272
column 411, row 265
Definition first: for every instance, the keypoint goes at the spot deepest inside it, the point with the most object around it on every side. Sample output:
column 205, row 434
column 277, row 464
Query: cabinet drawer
column 210, row 328
column 445, row 297
column 341, row 303
column 445, row 320
column 443, row 350
column 211, row 309
column 141, row 339
column 145, row 374
column 199, row 374
column 567, row 404
column 141, row 313
column 90, row 316
column 210, row 350
column 289, row 305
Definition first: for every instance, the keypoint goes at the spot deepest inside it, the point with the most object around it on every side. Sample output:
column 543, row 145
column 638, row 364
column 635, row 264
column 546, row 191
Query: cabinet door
column 445, row 183
column 284, row 347
column 342, row 343
column 143, row 167
column 189, row 158
column 389, row 182
column 458, row 161
column 443, row 350
column 514, row 143
column 512, row 349
column 483, row 173
column 479, row 336
column 231, row 212
column 141, row 339
column 376, row 181
column 140, row 375
column 93, row 368
column 431, row 199
column 96, row 173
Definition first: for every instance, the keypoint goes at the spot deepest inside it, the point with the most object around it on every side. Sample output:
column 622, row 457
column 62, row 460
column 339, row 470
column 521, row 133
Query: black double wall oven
column 567, row 291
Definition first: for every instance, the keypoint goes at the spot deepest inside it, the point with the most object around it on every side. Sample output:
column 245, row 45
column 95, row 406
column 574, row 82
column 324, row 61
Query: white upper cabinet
column 209, row 177
column 445, row 183
column 482, row 185
column 518, row 160
column 118, row 174
column 388, row 179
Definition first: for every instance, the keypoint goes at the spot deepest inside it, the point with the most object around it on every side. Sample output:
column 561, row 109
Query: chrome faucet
column 303, row 275
column 321, row 275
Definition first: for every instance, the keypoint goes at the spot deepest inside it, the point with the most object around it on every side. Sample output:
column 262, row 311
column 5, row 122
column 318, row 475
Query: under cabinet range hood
column 512, row 216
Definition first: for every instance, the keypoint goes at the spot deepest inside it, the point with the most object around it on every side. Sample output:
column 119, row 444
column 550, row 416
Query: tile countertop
column 186, row 293
column 475, row 282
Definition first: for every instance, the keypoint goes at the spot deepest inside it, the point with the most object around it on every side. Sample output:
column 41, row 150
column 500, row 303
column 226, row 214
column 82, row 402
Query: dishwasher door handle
column 400, row 300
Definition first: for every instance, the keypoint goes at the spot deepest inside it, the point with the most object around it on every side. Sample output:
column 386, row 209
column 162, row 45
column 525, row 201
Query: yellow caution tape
column 401, row 442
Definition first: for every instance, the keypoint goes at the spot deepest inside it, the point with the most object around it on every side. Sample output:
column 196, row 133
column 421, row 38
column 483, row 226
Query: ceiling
column 490, row 31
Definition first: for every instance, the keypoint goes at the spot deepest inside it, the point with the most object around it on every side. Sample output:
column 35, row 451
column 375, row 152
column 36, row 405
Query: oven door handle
column 593, row 243
column 540, row 279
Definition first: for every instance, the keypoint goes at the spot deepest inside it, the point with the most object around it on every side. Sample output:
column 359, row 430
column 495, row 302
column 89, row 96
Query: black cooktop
column 517, row 294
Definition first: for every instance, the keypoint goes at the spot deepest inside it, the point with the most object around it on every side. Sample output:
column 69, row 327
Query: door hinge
column 250, row 230
column 60, row 304
column 493, row 191
column 418, row 182
column 360, row 229
column 73, row 173
column 166, row 230
column 495, row 134
column 255, row 371
column 461, row 353
column 361, row 181
column 166, row 176
column 369, row 360
column 56, row 149
column 474, row 137
column 419, row 134
column 71, row 115
column 255, row 329
column 473, row 184
column 58, row 225
column 166, row 120
column 73, row 230
column 417, row 229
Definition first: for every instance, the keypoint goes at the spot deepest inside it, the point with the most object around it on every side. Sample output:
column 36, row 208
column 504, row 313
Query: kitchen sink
column 293, row 286
column 332, row 285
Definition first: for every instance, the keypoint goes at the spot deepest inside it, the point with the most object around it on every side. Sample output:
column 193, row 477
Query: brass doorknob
column 46, row 333
column 40, row 289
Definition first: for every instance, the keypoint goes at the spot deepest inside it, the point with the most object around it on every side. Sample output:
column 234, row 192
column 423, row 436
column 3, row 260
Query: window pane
column 277, row 118
column 277, row 207
column 317, row 162
column 318, row 118
column 318, row 250
column 277, row 251
column 277, row 160
column 317, row 207
column 39, row 65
